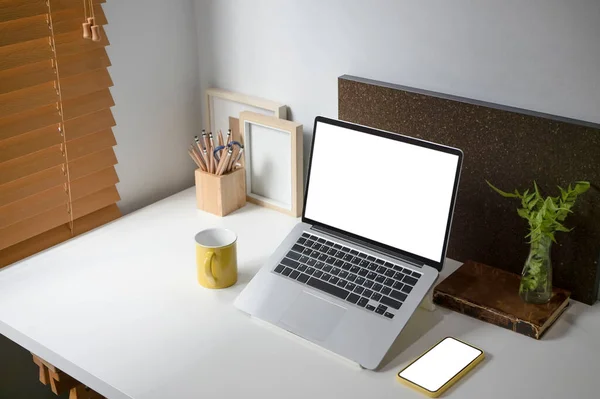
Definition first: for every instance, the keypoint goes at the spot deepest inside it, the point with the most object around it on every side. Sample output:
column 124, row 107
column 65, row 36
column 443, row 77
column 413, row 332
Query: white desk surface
column 120, row 310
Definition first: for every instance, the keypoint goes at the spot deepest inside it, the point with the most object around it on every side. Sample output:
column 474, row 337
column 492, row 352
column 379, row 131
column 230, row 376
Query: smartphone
column 441, row 366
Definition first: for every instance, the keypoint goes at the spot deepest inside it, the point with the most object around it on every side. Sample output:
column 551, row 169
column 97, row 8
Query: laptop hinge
column 369, row 246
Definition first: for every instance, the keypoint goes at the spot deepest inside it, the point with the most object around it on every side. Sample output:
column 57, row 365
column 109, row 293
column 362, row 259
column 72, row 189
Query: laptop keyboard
column 364, row 280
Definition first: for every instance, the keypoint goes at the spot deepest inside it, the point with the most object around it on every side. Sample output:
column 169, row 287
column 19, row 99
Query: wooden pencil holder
column 221, row 195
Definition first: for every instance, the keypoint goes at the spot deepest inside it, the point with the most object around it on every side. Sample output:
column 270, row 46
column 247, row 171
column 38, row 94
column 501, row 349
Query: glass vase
column 536, row 279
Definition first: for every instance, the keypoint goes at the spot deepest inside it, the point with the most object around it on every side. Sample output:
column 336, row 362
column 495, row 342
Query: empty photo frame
column 273, row 152
column 223, row 109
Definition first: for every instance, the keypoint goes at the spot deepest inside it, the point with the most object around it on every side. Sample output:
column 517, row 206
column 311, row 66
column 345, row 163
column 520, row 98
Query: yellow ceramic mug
column 216, row 258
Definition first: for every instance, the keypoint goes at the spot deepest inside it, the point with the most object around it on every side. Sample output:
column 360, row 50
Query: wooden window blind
column 57, row 176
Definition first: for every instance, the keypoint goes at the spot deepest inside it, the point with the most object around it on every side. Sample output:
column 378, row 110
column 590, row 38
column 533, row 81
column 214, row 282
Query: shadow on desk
column 244, row 277
column 419, row 324
column 465, row 378
column 565, row 322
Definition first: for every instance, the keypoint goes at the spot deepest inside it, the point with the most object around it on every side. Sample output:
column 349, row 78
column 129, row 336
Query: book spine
column 485, row 314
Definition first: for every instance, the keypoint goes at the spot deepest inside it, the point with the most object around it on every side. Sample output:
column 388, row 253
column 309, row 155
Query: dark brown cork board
column 509, row 147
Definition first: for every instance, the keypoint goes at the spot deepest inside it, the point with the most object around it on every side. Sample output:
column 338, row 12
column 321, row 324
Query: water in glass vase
column 536, row 279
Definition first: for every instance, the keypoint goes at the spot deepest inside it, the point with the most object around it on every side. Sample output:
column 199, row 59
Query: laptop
column 377, row 213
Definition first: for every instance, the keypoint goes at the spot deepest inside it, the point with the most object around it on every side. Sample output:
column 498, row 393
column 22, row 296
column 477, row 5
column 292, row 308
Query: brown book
column 492, row 295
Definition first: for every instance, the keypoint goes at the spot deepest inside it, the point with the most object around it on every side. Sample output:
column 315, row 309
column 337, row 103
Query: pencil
column 232, row 159
column 205, row 150
column 211, row 147
column 199, row 149
column 220, row 137
column 204, row 139
column 198, row 156
column 236, row 163
column 239, row 154
column 225, row 161
column 220, row 165
column 205, row 154
column 196, row 160
column 229, row 138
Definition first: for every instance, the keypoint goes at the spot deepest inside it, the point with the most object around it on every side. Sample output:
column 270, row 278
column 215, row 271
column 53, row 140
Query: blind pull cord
column 87, row 26
column 90, row 29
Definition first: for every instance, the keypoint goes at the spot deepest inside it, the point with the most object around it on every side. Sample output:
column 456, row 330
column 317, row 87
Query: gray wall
column 542, row 55
column 155, row 71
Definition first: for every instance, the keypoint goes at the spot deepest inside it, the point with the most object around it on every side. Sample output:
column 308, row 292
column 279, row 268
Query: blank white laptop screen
column 391, row 192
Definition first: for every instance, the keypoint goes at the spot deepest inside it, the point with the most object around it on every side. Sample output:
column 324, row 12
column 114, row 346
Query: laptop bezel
column 398, row 137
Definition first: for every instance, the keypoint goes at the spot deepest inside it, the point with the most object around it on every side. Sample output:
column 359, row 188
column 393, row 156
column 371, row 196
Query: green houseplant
column 545, row 217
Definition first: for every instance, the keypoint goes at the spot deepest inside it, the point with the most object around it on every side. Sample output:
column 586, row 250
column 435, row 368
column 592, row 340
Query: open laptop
column 377, row 213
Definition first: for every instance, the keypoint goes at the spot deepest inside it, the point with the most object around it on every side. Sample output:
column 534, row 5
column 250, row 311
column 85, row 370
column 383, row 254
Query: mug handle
column 208, row 268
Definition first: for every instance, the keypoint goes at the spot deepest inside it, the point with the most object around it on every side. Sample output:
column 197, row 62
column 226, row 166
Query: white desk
column 120, row 310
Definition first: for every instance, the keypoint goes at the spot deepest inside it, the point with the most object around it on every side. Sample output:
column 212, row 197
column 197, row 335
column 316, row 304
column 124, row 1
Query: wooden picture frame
column 273, row 158
column 223, row 109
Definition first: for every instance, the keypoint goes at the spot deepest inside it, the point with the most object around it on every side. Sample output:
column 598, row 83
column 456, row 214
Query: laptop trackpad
column 312, row 317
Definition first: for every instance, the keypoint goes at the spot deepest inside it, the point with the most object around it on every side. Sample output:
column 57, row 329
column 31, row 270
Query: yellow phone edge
column 451, row 381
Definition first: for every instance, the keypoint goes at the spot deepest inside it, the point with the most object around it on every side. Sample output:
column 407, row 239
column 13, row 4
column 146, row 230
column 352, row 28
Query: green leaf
column 524, row 213
column 532, row 203
column 530, row 197
column 537, row 190
column 581, row 187
column 563, row 193
column 502, row 193
column 544, row 215
column 560, row 227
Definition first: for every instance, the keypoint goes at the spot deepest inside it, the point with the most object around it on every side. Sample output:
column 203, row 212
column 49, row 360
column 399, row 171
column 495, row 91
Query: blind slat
column 31, row 185
column 90, row 123
column 16, row 9
column 32, row 206
column 73, row 43
column 87, row 104
column 27, row 99
column 25, row 53
column 90, row 143
column 85, row 83
column 36, row 27
column 10, row 10
column 52, row 218
column 27, row 121
column 47, row 93
column 23, row 30
column 29, row 143
column 26, row 76
column 33, row 163
column 39, row 50
column 87, row 61
column 33, row 226
column 70, row 19
column 95, row 201
column 57, row 235
column 93, row 182
column 42, row 72
column 46, row 200
column 92, row 163
column 30, row 164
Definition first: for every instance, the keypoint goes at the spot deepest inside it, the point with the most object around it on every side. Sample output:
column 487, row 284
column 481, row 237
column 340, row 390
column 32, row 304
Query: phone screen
column 438, row 365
